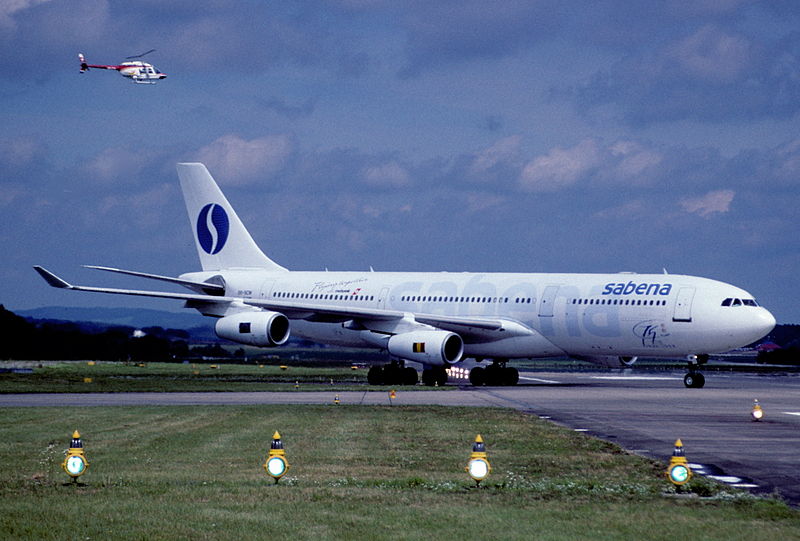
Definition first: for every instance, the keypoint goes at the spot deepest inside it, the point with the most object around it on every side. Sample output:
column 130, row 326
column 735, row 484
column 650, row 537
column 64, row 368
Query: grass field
column 356, row 472
column 70, row 377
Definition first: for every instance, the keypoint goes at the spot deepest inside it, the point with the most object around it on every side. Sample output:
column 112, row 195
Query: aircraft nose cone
column 765, row 322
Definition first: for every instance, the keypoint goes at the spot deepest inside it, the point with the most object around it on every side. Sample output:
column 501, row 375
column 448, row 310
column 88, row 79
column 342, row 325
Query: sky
column 519, row 136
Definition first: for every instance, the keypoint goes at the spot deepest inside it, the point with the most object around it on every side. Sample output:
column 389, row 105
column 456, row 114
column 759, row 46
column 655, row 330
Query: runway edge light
column 276, row 464
column 478, row 465
column 679, row 473
column 757, row 413
column 75, row 462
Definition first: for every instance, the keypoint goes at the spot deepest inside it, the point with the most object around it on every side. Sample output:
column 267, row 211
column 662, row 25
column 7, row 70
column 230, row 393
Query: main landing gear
column 394, row 373
column 694, row 379
column 436, row 375
column 496, row 373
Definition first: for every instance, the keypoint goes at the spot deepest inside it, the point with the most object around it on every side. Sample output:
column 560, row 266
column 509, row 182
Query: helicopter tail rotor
column 82, row 60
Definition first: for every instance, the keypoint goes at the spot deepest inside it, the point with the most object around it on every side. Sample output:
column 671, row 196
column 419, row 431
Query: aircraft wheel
column 392, row 374
column 694, row 380
column 428, row 377
column 409, row 376
column 375, row 375
column 441, row 376
column 511, row 376
column 493, row 375
column 477, row 376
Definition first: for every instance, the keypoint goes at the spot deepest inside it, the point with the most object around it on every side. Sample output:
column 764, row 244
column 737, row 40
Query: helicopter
column 138, row 71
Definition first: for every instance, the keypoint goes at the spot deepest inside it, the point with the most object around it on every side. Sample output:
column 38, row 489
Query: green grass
column 356, row 472
column 69, row 377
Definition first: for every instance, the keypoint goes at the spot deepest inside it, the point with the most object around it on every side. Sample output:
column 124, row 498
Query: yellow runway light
column 75, row 462
column 679, row 473
column 757, row 413
column 276, row 464
column 478, row 465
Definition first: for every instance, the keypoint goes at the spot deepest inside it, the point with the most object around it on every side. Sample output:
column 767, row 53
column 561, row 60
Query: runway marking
column 539, row 380
column 643, row 378
column 744, row 485
column 730, row 479
column 792, row 412
column 581, row 429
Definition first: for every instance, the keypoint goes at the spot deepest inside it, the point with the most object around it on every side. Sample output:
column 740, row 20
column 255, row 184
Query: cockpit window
column 739, row 302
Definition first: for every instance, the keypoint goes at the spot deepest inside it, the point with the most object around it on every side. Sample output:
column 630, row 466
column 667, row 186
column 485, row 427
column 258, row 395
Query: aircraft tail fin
column 221, row 238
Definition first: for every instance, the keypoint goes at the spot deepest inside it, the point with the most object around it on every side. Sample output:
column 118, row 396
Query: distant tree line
column 46, row 339
column 787, row 356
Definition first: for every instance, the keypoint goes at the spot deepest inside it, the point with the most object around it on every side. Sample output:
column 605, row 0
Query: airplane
column 440, row 319
column 136, row 70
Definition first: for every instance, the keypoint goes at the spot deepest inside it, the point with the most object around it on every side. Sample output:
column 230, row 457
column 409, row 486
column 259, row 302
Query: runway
column 644, row 412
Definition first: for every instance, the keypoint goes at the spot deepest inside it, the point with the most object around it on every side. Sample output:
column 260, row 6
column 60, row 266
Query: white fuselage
column 655, row 315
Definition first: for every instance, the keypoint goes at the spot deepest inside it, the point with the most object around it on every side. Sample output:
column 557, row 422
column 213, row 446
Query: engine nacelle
column 264, row 329
column 435, row 348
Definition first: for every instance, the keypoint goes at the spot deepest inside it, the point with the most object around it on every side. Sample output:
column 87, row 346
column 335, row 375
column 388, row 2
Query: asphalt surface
column 644, row 412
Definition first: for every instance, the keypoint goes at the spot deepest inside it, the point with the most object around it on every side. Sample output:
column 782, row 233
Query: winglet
column 51, row 278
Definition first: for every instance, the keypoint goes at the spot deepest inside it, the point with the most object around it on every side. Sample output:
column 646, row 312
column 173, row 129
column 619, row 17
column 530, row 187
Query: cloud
column 454, row 31
column 634, row 209
column 712, row 74
column 237, row 161
column 115, row 164
column 501, row 152
column 390, row 174
column 560, row 168
column 712, row 54
column 16, row 152
column 10, row 7
column 632, row 162
column 290, row 111
column 717, row 201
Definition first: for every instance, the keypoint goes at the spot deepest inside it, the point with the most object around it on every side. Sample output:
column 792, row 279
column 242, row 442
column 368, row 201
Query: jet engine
column 264, row 329
column 435, row 348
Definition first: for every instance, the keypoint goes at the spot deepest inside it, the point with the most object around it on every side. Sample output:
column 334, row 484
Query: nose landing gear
column 694, row 379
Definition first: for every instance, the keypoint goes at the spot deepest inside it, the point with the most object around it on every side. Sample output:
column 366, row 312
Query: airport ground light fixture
column 75, row 462
column 756, row 413
column 478, row 466
column 276, row 464
column 679, row 473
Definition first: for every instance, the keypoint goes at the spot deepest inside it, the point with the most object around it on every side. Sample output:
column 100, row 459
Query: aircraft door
column 266, row 289
column 548, row 301
column 382, row 297
column 683, row 305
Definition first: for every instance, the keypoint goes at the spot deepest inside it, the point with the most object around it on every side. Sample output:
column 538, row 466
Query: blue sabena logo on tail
column 212, row 233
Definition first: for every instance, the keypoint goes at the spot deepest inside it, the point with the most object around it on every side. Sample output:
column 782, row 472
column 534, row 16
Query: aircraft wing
column 200, row 287
column 476, row 328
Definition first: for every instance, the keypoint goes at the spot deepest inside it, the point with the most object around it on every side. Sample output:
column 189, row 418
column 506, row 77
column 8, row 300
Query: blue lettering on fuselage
column 632, row 288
